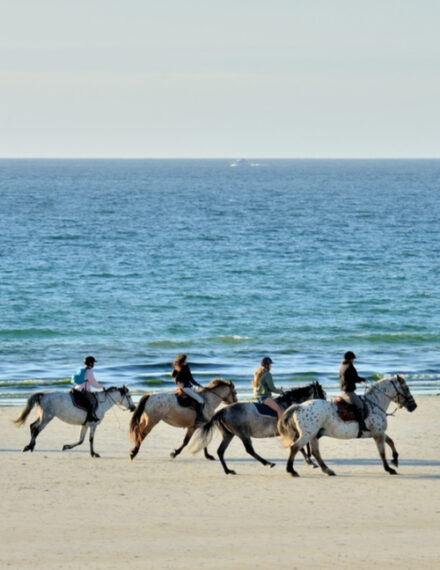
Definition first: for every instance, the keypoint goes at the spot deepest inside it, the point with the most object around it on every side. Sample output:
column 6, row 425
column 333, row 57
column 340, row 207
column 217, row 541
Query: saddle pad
column 78, row 400
column 185, row 401
column 346, row 410
column 265, row 410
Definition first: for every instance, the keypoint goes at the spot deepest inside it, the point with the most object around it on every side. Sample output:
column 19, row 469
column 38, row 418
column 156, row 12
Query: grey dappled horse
column 60, row 405
column 245, row 421
column 153, row 408
column 304, row 423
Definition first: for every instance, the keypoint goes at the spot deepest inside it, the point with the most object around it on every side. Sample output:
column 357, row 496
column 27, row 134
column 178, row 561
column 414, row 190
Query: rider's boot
column 91, row 415
column 200, row 418
column 361, row 422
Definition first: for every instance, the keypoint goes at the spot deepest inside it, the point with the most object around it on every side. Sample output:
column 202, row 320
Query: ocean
column 135, row 261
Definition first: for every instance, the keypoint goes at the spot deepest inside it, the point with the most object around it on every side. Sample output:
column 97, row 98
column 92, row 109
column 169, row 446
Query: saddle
column 265, row 410
column 78, row 400
column 184, row 400
column 346, row 411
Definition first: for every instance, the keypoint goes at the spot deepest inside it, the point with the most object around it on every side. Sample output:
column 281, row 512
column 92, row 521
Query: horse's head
column 313, row 391
column 404, row 397
column 318, row 392
column 224, row 389
column 125, row 397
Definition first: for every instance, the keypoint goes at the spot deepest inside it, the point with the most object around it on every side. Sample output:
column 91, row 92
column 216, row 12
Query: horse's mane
column 300, row 391
column 374, row 386
column 214, row 383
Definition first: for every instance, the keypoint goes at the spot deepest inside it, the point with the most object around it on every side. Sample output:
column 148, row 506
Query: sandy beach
column 67, row 510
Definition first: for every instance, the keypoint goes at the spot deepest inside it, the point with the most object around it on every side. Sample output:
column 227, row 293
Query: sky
column 220, row 79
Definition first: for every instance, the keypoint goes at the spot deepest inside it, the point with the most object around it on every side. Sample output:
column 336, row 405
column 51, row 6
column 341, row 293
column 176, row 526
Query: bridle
column 118, row 404
column 232, row 394
column 400, row 394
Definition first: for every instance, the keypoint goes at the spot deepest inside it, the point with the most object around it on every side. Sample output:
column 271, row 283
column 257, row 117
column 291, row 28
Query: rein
column 224, row 399
column 375, row 387
column 118, row 404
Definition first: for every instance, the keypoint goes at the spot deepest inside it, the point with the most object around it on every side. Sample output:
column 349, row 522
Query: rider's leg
column 200, row 403
column 270, row 403
column 354, row 399
column 91, row 406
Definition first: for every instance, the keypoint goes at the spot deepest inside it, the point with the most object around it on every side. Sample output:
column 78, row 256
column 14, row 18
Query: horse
column 307, row 422
column 245, row 420
column 153, row 408
column 60, row 405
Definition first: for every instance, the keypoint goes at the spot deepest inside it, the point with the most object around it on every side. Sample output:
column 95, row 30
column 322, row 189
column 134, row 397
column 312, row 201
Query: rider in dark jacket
column 184, row 379
column 348, row 378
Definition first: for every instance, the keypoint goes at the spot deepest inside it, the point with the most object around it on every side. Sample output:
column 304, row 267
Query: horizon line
column 217, row 158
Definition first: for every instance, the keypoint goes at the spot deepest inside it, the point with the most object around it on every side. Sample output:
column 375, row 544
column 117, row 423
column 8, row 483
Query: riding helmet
column 349, row 355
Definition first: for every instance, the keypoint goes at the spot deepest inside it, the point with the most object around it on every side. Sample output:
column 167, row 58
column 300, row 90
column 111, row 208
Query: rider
column 348, row 378
column 89, row 380
column 264, row 386
column 184, row 380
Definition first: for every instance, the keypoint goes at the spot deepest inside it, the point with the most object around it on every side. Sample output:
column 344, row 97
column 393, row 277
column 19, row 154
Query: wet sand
column 67, row 510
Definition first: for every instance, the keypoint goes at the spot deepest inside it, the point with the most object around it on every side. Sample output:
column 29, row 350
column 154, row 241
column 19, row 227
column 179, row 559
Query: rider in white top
column 90, row 380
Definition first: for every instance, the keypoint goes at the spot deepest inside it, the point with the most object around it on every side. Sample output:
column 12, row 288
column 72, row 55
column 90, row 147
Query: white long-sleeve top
column 89, row 380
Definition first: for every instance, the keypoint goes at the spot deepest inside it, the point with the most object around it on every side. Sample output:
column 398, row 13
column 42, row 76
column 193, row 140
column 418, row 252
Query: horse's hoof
column 210, row 457
column 294, row 474
column 26, row 448
column 95, row 455
column 271, row 465
column 392, row 472
column 65, row 447
column 231, row 472
column 331, row 473
column 172, row 455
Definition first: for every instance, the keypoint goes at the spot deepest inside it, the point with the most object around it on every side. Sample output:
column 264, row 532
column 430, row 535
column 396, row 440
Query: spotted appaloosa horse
column 304, row 423
column 153, row 408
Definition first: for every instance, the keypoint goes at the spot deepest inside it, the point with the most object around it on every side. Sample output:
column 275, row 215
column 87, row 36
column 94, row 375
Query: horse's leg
column 308, row 456
column 316, row 453
column 36, row 427
column 390, row 442
column 82, row 435
column 208, row 455
column 227, row 438
column 188, row 436
column 380, row 442
column 295, row 447
column 93, row 427
column 149, row 425
column 250, row 449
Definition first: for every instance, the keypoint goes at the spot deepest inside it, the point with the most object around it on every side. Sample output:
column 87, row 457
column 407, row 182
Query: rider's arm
column 90, row 378
column 269, row 383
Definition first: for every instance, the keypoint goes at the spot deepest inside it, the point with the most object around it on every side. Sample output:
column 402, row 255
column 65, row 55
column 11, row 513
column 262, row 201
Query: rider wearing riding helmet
column 263, row 386
column 348, row 378
column 90, row 380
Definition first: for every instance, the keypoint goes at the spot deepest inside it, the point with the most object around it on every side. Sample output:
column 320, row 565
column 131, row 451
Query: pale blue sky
column 201, row 78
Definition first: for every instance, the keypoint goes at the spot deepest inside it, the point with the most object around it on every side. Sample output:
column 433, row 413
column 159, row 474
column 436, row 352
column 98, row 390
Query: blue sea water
column 134, row 261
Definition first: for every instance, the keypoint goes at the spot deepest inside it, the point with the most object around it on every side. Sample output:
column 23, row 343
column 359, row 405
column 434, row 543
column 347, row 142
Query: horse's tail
column 202, row 436
column 288, row 427
column 137, row 423
column 32, row 401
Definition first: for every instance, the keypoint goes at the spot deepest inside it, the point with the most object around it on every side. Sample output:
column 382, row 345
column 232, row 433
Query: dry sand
column 67, row 510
